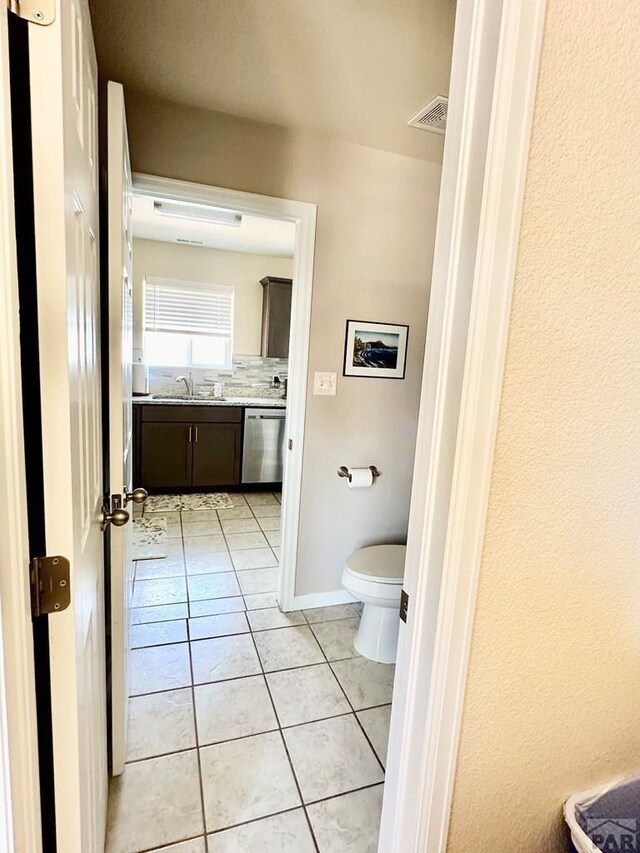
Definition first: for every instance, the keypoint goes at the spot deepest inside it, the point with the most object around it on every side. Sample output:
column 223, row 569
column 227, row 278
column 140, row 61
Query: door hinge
column 41, row 12
column 290, row 444
column 50, row 586
column 404, row 605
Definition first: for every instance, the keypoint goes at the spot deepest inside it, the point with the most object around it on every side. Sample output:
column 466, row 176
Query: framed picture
column 375, row 350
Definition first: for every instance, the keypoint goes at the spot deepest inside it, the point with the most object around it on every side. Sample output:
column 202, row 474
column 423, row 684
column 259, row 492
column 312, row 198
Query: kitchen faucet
column 188, row 381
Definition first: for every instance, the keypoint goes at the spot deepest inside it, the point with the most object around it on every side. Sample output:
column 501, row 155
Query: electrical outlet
column 324, row 384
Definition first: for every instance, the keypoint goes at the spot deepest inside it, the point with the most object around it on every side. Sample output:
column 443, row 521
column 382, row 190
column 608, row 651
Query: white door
column 120, row 409
column 63, row 87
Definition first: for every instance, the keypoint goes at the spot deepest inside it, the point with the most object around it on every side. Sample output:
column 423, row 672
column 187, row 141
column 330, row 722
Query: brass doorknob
column 137, row 496
column 118, row 517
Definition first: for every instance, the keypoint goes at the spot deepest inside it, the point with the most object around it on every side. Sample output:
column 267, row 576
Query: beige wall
column 374, row 243
column 243, row 270
column 554, row 682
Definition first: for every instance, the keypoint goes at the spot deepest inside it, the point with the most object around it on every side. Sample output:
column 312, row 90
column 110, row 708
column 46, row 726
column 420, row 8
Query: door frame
column 448, row 510
column 20, row 827
column 303, row 214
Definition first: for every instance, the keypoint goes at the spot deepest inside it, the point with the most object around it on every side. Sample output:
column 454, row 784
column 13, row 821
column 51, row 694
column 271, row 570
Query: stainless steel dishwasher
column 263, row 445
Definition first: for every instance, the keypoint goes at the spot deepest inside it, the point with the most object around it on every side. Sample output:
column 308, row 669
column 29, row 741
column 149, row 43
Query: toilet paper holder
column 343, row 471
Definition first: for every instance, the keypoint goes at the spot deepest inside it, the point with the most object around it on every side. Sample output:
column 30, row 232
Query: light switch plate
column 324, row 384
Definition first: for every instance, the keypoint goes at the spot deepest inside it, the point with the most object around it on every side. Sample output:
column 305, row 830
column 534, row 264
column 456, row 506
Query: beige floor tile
column 273, row 510
column 224, row 657
column 218, row 625
column 201, row 528
column 331, row 757
column 273, row 538
column 159, row 591
column 160, row 723
column 170, row 567
column 234, row 792
column 158, row 633
column 237, row 512
column 206, row 564
column 221, row 585
column 258, row 580
column 330, row 614
column 260, row 600
column 261, row 499
column 159, row 613
column 365, row 682
column 336, row 638
column 240, row 525
column 159, row 668
column 273, row 617
column 204, row 545
column 213, row 606
column 285, row 648
column 270, row 522
column 254, row 558
column 285, row 833
column 375, row 722
column 306, row 694
column 348, row 824
column 195, row 845
column 155, row 802
column 244, row 541
column 233, row 709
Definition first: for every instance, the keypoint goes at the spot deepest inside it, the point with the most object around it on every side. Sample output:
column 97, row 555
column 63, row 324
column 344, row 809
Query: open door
column 63, row 91
column 119, row 200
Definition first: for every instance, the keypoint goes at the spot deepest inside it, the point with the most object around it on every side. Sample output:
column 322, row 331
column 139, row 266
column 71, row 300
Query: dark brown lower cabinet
column 216, row 454
column 166, row 455
column 185, row 447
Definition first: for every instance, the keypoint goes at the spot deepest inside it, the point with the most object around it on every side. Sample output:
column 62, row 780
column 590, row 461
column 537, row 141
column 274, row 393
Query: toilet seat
column 378, row 563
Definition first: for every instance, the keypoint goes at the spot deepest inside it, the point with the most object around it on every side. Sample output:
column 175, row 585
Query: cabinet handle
column 196, row 435
column 190, row 431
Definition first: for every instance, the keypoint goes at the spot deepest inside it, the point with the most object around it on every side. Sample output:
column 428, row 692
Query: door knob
column 118, row 517
column 137, row 496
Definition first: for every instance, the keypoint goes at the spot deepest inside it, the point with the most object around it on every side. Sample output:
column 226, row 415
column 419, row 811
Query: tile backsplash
column 250, row 376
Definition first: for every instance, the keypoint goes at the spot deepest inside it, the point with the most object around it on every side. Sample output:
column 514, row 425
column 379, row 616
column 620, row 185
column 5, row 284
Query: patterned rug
column 171, row 503
column 149, row 538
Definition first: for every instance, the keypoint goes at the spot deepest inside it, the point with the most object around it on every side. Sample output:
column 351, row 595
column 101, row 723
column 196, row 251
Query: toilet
column 374, row 576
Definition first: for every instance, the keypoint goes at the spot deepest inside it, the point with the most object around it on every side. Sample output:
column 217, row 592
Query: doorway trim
column 303, row 214
column 448, row 511
column 19, row 773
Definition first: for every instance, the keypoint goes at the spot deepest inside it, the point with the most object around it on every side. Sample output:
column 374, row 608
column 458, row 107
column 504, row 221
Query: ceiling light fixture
column 198, row 212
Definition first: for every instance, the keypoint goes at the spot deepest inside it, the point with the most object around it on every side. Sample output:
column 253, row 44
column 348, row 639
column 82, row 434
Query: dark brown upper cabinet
column 276, row 316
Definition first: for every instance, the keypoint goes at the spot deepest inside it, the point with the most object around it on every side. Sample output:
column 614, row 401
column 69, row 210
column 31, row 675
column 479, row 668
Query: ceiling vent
column 432, row 117
column 185, row 242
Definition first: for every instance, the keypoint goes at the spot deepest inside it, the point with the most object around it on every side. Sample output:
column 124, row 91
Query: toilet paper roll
column 360, row 478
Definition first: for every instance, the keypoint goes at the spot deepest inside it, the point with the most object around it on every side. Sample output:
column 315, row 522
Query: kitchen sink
column 187, row 398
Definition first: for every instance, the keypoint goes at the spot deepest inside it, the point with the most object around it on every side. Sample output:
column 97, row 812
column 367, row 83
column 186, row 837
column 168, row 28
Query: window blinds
column 188, row 307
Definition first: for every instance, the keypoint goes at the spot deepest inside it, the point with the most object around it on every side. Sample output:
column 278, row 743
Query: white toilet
column 374, row 575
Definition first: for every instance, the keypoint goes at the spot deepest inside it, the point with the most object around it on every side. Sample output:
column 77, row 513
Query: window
column 188, row 323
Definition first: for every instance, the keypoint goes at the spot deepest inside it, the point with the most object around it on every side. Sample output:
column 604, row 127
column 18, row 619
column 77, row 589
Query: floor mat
column 173, row 503
column 149, row 538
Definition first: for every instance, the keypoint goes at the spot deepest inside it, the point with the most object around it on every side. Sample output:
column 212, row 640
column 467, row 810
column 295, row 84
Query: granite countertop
column 253, row 402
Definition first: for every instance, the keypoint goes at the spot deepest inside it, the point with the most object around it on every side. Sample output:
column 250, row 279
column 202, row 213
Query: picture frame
column 375, row 350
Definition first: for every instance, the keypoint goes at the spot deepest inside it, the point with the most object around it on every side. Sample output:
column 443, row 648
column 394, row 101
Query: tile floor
column 250, row 729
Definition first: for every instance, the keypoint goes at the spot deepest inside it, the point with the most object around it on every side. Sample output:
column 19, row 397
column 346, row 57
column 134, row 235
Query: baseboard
column 322, row 599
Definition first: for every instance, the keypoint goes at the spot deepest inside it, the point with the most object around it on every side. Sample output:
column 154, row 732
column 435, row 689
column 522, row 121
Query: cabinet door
column 276, row 317
column 165, row 455
column 216, row 454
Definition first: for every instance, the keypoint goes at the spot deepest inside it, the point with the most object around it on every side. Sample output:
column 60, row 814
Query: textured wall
column 552, row 703
column 374, row 248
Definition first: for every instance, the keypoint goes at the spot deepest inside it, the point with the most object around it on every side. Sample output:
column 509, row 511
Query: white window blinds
column 188, row 307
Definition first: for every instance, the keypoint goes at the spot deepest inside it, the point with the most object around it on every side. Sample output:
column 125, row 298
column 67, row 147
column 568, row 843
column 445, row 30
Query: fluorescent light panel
column 197, row 212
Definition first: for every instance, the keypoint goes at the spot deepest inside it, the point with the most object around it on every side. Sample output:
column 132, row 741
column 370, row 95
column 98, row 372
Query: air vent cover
column 186, row 242
column 432, row 117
